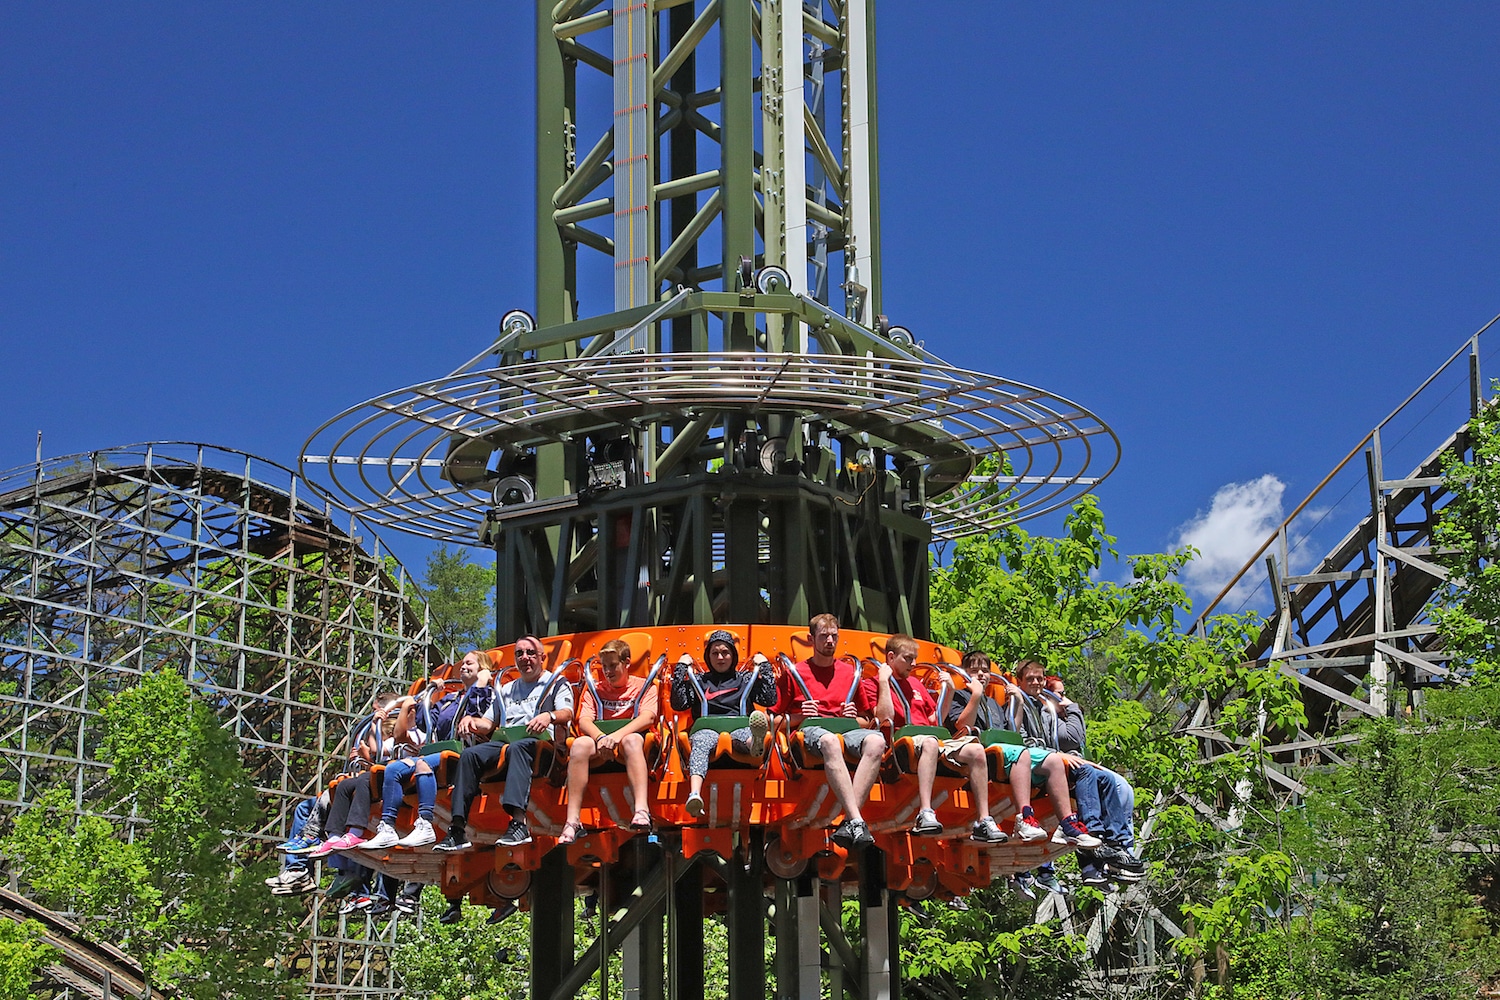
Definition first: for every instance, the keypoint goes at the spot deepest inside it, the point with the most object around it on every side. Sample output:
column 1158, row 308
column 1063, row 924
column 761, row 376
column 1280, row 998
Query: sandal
column 641, row 820
column 571, row 831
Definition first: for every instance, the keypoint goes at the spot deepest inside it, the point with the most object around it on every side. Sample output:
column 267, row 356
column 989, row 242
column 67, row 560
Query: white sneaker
column 760, row 724
column 421, row 835
column 385, row 836
column 1029, row 829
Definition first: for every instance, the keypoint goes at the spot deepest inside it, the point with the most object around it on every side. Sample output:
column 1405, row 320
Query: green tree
column 459, row 597
column 174, row 897
column 1467, row 535
column 468, row 960
column 23, row 954
column 1124, row 653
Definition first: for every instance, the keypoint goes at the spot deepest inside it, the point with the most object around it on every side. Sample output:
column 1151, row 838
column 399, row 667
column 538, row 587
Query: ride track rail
column 94, row 969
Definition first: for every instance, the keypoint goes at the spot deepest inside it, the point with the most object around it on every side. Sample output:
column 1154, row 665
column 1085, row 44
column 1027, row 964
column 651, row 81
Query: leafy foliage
column 174, row 897
column 1468, row 536
column 1125, row 653
column 23, row 954
column 469, row 960
column 459, row 595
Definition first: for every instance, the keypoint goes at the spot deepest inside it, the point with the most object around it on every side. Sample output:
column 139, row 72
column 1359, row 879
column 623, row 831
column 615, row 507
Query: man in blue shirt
column 545, row 701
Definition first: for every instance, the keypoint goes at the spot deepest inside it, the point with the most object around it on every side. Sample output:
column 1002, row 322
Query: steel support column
column 552, row 923
column 880, row 923
column 746, row 917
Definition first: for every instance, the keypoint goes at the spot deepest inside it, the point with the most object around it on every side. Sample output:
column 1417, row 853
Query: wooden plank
column 1311, row 578
column 1320, row 647
column 1416, row 482
column 1420, row 662
column 1431, row 569
column 1331, row 692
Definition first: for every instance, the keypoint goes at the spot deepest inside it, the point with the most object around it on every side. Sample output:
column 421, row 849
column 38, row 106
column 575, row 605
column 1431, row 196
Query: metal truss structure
column 274, row 603
column 743, row 436
column 1347, row 615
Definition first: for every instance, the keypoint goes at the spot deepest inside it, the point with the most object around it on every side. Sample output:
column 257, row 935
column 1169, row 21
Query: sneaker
column 385, row 836
column 454, row 913
column 987, row 831
column 516, row 834
column 304, row 883
column 381, row 907
column 1121, row 864
column 695, row 805
column 292, row 882
column 927, row 824
column 1070, row 831
column 455, row 841
column 1048, row 881
column 760, row 725
column 300, row 845
column 1022, row 886
column 421, row 835
column 499, row 913
column 852, row 833
column 347, row 842
column 1094, row 878
column 355, row 904
column 1029, row 830
column 1117, row 858
column 344, row 885
column 408, row 901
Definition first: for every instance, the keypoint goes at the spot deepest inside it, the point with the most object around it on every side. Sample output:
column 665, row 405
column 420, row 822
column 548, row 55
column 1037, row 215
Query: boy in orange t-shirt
column 623, row 695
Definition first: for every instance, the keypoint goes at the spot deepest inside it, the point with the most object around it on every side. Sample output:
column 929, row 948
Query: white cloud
column 1240, row 517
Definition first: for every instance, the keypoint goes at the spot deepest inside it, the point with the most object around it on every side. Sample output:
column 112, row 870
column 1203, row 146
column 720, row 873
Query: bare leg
column 979, row 777
column 927, row 764
column 634, row 749
column 851, row 794
column 578, row 774
column 871, row 751
column 695, row 784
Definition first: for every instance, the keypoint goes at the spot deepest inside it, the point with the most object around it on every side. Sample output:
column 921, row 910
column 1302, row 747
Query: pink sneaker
column 348, row 841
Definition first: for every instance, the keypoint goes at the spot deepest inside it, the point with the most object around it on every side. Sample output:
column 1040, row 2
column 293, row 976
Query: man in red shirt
column 820, row 687
column 623, row 695
column 894, row 698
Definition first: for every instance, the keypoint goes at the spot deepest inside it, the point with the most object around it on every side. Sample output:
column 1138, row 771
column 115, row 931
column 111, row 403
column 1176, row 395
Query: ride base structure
column 761, row 846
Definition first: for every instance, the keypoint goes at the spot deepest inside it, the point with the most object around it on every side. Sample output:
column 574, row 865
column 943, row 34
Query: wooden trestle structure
column 764, row 836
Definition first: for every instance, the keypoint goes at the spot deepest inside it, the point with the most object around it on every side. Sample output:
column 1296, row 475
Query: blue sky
column 1239, row 233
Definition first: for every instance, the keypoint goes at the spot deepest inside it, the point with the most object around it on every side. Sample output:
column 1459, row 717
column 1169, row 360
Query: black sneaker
column 381, row 907
column 515, row 835
column 454, row 913
column 851, row 833
column 409, row 902
column 1095, row 878
column 505, row 909
column 456, row 840
column 1120, row 858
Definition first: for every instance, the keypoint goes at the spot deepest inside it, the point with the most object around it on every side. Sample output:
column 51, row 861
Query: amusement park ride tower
column 741, row 436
